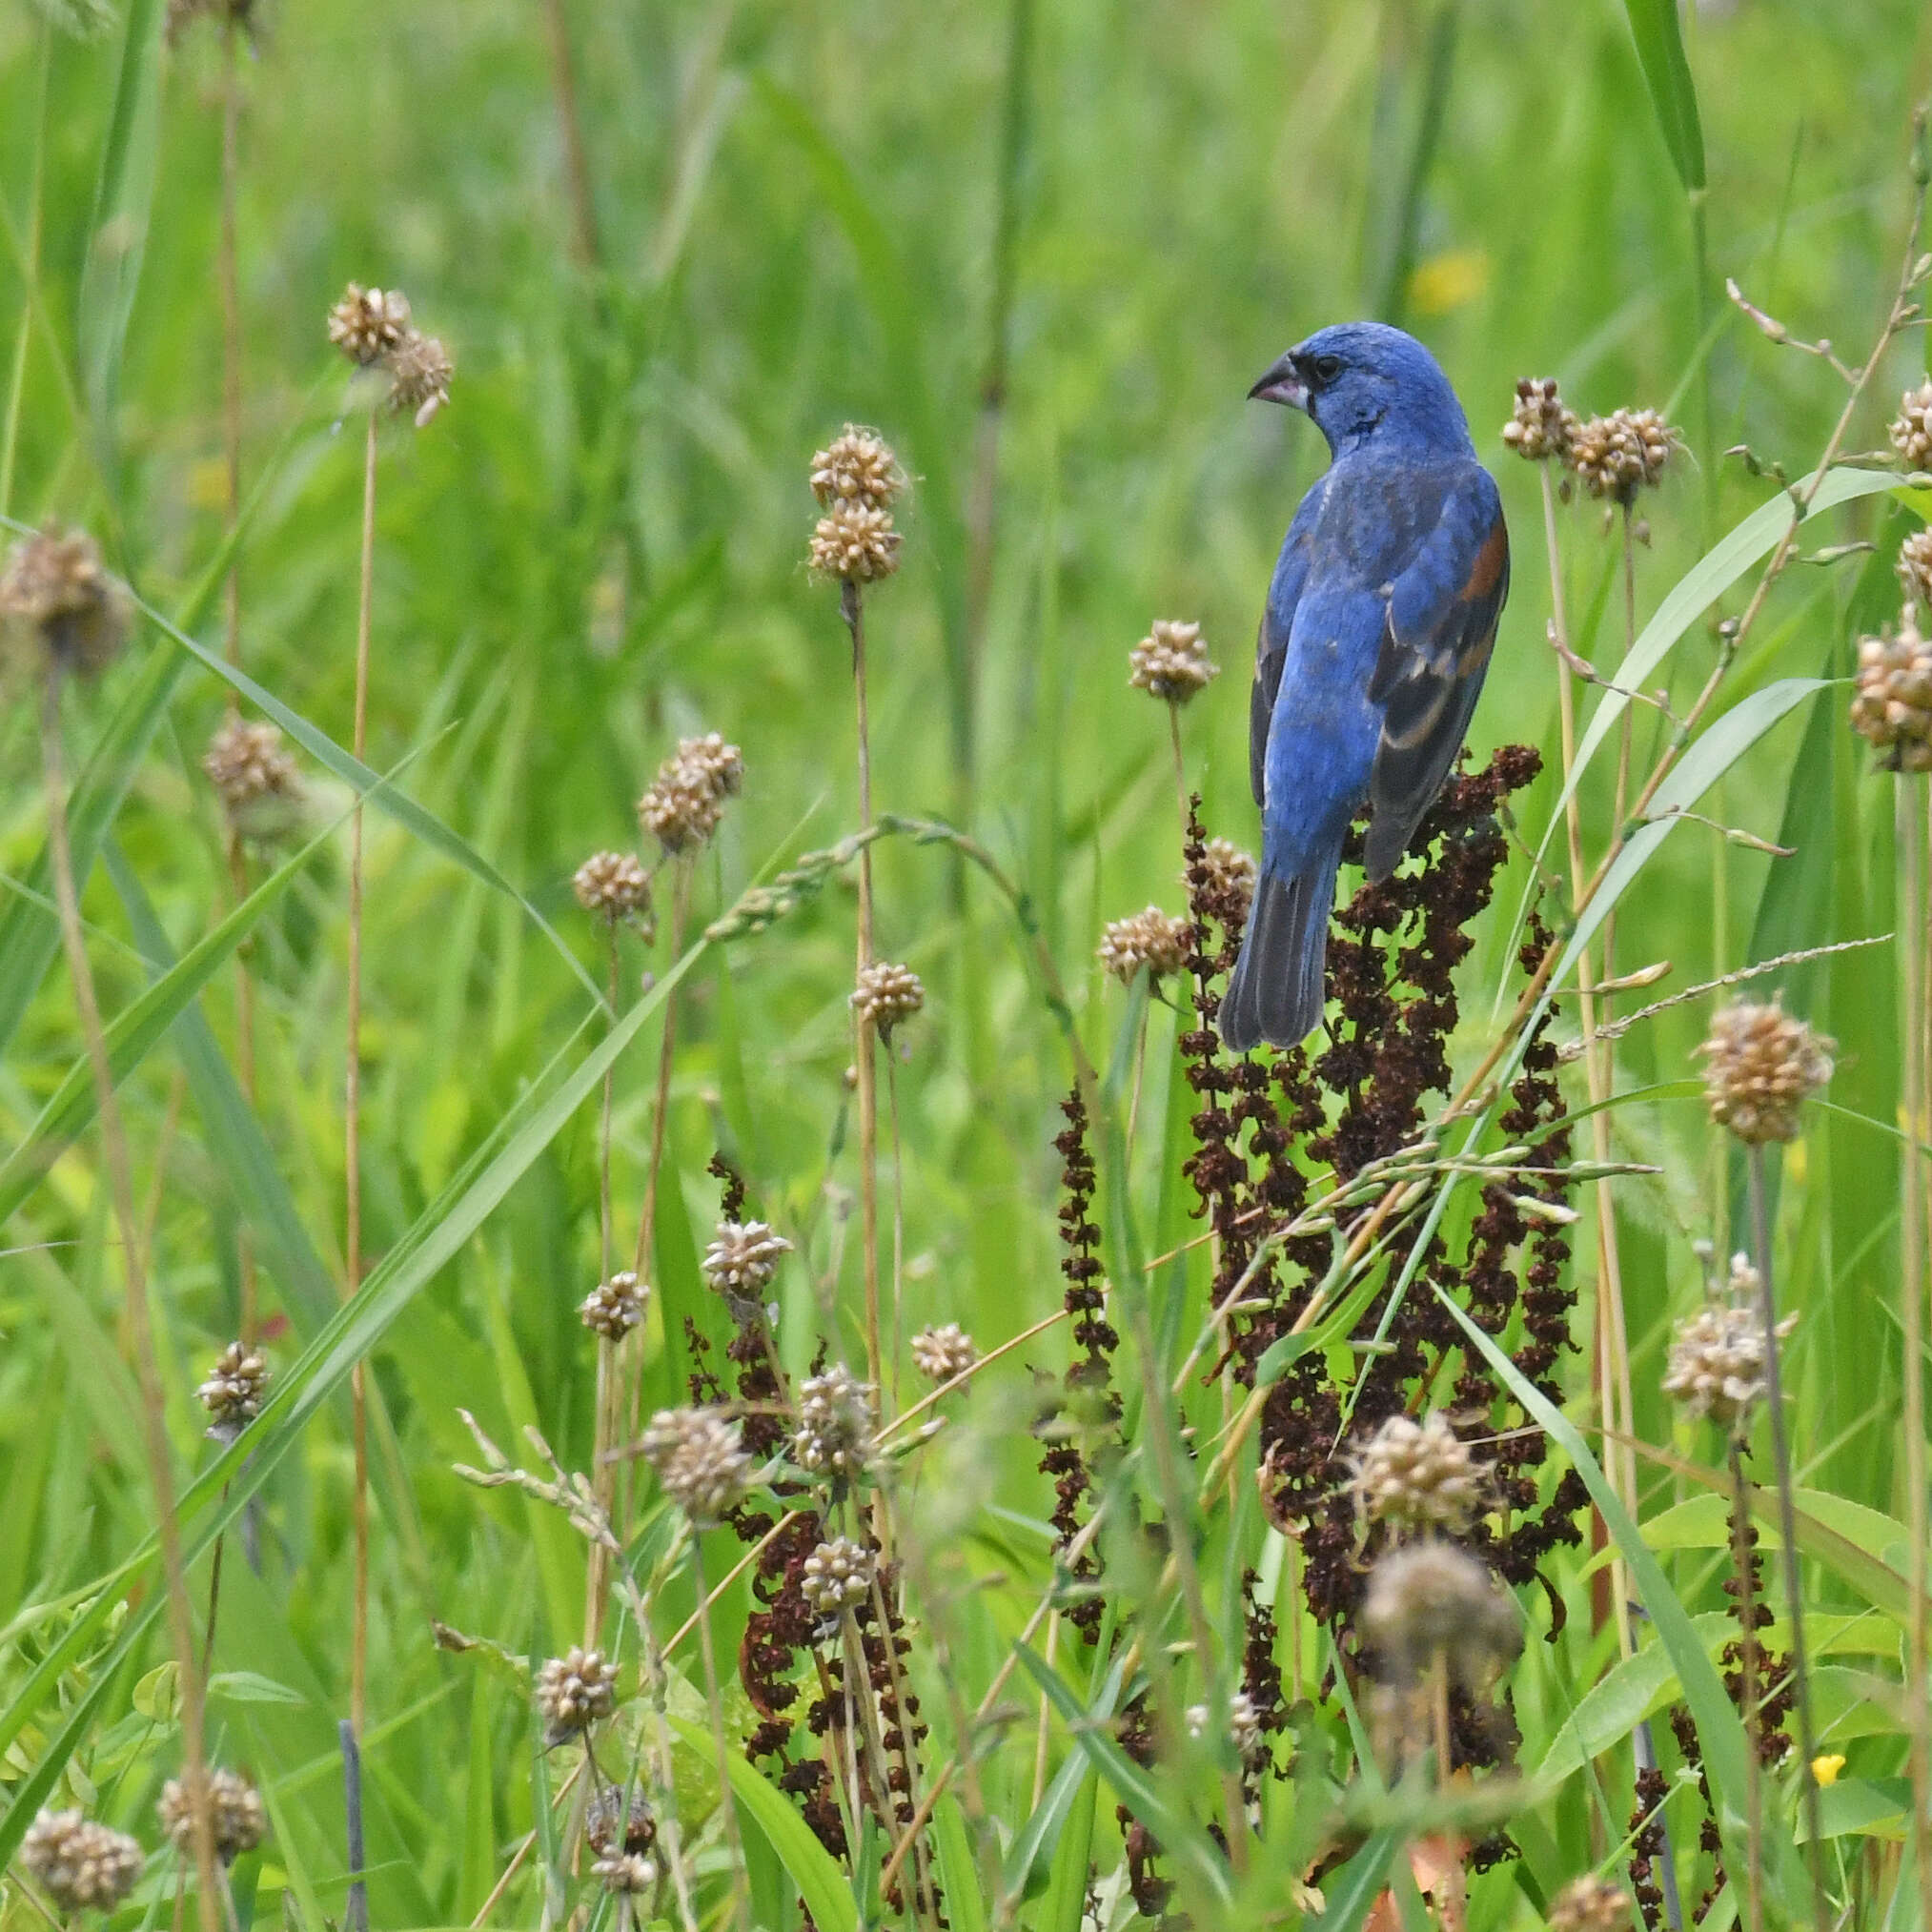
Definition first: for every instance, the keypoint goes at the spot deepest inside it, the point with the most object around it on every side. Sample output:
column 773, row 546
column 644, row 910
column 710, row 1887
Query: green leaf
column 1352, row 1891
column 1072, row 1856
column 1717, row 750
column 959, row 1874
column 251, row 1687
column 1660, row 49
column 1635, row 1688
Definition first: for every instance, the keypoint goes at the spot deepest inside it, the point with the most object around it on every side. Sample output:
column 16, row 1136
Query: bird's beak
column 1281, row 384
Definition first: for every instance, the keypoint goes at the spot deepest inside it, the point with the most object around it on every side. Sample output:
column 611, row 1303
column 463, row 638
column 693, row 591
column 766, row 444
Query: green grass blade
column 1667, row 72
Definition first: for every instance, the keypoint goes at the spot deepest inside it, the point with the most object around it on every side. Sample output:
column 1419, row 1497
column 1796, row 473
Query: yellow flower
column 1826, row 1768
column 1447, row 281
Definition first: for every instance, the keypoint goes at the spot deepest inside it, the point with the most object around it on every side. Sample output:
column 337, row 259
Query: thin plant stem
column 1787, row 1522
column 741, row 1884
column 922, row 1887
column 1438, row 1707
column 570, row 128
column 603, row 1471
column 1180, row 767
column 1747, row 1664
column 898, row 1219
column 16, row 386
column 140, row 1331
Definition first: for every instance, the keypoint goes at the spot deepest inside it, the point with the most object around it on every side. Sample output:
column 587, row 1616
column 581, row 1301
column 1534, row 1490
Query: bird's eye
column 1328, row 367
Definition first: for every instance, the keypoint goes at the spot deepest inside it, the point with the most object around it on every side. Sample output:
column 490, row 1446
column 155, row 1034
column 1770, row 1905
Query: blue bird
column 1379, row 622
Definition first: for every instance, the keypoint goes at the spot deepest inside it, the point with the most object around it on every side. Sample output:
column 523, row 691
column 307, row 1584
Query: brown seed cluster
column 742, row 1262
column 371, row 327
column 886, row 995
column 237, row 1819
column 234, row 1390
column 1228, row 876
column 856, row 478
column 699, row 1458
column 838, row 1576
column 857, row 466
column 683, row 803
column 1590, row 1904
column 1153, row 939
column 1914, row 567
column 80, row 1865
column 1171, row 664
column 574, row 1692
column 834, row 1435
column 1430, row 1600
column 612, row 886
column 627, row 1872
column 1911, row 429
column 1892, row 704
column 59, row 607
column 420, row 373
column 1419, row 1476
column 940, row 1353
column 1761, row 1066
column 611, row 1825
column 1542, row 425
column 614, row 1308
column 1717, row 1357
column 1616, row 456
column 258, row 779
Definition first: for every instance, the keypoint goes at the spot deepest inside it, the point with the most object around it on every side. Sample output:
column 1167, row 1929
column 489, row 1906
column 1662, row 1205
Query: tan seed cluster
column 245, row 761
column 611, row 1827
column 940, row 1353
column 857, row 466
column 1153, row 939
column 1428, row 1599
column 1171, row 663
column 1541, row 425
column 1419, row 1476
column 682, row 804
column 1911, row 430
column 855, row 543
column 1914, row 567
column 1617, row 455
column 834, row 1435
column 1892, row 702
column 626, row 1872
column 699, row 1458
column 1761, row 1066
column 614, row 1308
column 59, row 605
column 1244, row 1725
column 886, row 995
column 1717, row 1357
column 234, row 1390
column 80, row 1865
column 742, row 1262
column 238, row 1821
column 574, row 1692
column 1230, row 871
column 1590, row 1904
column 369, row 324
column 420, row 373
column 838, row 1576
column 613, row 885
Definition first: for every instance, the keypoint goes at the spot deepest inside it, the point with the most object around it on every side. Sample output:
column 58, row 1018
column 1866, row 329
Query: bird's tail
column 1275, row 990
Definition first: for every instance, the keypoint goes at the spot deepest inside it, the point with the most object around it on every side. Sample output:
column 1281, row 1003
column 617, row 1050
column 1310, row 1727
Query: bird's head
column 1364, row 379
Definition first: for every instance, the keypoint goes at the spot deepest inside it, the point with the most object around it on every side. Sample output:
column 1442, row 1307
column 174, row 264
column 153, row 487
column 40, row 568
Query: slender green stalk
column 603, row 1471
column 583, row 247
column 741, row 1880
column 16, row 384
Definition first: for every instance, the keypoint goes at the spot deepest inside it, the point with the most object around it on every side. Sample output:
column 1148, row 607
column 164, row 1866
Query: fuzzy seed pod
column 611, row 1828
column 838, row 1576
column 1717, row 1357
column 1153, row 939
column 1417, row 1478
column 614, row 1308
column 80, row 1865
column 1590, row 1904
column 1173, row 663
column 238, row 1821
column 574, row 1692
column 742, row 1262
column 613, row 885
column 886, row 995
column 233, row 1393
column 1760, row 1067
column 1892, row 704
column 259, row 783
column 1914, row 567
column 1911, row 430
column 1542, row 425
column 1617, row 455
column 854, row 542
column 699, row 1458
column 1429, row 1599
column 59, row 607
column 940, row 1353
column 834, row 1437
column 684, row 801
column 715, row 762
column 857, row 466
column 1231, row 872
column 369, row 324
column 420, row 373
column 626, row 1872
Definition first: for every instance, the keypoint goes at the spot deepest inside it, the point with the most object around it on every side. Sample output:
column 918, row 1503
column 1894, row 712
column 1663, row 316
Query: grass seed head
column 1761, row 1066
column 854, row 542
column 1590, row 1904
column 857, row 466
column 1717, row 1357
column 834, row 1435
column 742, row 1262
column 614, row 1308
column 59, row 606
column 1244, row 1725
column 1172, row 662
column 1231, row 874
column 886, row 995
column 1892, row 701
column 1419, row 1476
column 1616, row 456
column 259, row 782
column 1151, row 938
column 574, row 1692
column 626, row 1872
column 1911, row 429
column 80, row 1865
column 940, row 1353
column 683, row 803
column 1428, row 1599
column 237, row 1819
column 419, row 375
column 613, row 885
column 234, row 1390
column 369, row 324
column 611, row 1827
column 1914, row 567
column 699, row 1458
column 838, row 1576
column 1541, row 426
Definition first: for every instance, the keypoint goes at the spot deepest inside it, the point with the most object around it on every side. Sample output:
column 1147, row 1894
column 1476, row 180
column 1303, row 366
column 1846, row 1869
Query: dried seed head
column 367, row 324
column 715, row 762
column 834, row 1437
column 613, row 885
column 1428, row 1599
column 838, row 1576
column 1911, row 430
column 1541, row 425
column 1418, row 1478
column 1173, row 663
column 1892, row 706
column 234, row 1390
column 420, row 373
column 886, row 995
column 81, row 1865
column 1760, row 1067
column 699, row 1458
column 627, row 1872
column 611, row 1828
column 574, row 1692
column 1244, row 1725
column 1914, row 567
column 1617, row 455
column 59, row 606
column 742, row 1262
column 1717, row 1357
column 614, row 1308
column 1230, row 871
column 940, row 1353
column 1153, row 939
column 857, row 466
column 1590, row 1904
column 684, row 801
column 854, row 542
column 237, row 1822
column 259, row 783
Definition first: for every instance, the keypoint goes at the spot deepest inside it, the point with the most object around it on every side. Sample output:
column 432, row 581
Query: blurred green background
column 1045, row 248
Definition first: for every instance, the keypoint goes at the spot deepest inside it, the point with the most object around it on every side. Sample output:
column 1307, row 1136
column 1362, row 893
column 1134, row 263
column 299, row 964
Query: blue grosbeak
column 1373, row 648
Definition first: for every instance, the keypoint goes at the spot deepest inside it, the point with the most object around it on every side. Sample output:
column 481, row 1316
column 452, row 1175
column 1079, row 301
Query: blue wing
column 1277, row 622
column 1443, row 609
